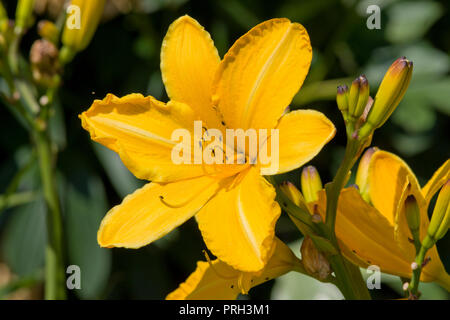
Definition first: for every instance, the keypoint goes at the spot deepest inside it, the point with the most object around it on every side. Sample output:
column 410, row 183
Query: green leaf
column 25, row 238
column 437, row 92
column 410, row 145
column 410, row 20
column 85, row 206
column 414, row 114
column 429, row 63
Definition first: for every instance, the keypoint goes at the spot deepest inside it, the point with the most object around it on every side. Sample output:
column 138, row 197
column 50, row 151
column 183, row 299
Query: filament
column 214, row 269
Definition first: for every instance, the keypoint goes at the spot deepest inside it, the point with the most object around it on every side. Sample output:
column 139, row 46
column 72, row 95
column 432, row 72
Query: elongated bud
column 83, row 17
column 412, row 214
column 390, row 93
column 3, row 18
column 296, row 197
column 311, row 183
column 440, row 220
column 24, row 15
column 48, row 31
column 362, row 175
column 314, row 261
column 358, row 97
column 291, row 191
column 342, row 100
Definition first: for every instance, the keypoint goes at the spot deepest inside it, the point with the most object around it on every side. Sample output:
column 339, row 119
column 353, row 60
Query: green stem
column 349, row 278
column 16, row 199
column 415, row 280
column 54, row 272
column 333, row 189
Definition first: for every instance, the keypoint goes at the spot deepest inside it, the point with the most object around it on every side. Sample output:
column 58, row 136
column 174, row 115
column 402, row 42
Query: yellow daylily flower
column 216, row 280
column 378, row 233
column 250, row 88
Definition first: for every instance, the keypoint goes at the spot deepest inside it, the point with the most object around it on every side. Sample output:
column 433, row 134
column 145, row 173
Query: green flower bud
column 342, row 100
column 440, row 220
column 390, row 93
column 24, row 15
column 3, row 18
column 48, row 31
column 82, row 21
column 358, row 97
column 412, row 214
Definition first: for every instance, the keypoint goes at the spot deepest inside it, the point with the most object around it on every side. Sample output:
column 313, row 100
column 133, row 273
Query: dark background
column 124, row 58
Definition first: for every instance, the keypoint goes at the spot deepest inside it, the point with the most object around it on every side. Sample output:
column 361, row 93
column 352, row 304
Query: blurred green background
column 124, row 58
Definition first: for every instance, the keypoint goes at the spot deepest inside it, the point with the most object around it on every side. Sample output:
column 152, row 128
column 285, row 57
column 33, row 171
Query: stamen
column 214, row 269
column 241, row 285
column 182, row 204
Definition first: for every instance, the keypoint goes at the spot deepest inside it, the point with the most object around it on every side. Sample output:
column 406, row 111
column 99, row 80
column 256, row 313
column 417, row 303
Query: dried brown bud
column 314, row 261
column 44, row 62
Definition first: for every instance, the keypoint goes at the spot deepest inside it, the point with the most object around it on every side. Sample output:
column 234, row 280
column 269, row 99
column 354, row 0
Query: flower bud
column 48, row 31
column 291, row 191
column 358, row 97
column 390, row 93
column 362, row 175
column 342, row 100
column 3, row 18
column 412, row 214
column 440, row 220
column 24, row 15
column 44, row 62
column 311, row 183
column 314, row 261
column 82, row 21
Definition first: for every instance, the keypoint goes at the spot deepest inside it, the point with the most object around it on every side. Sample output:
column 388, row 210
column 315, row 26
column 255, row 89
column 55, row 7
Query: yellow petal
column 282, row 261
column 189, row 61
column 302, row 134
column 154, row 210
column 437, row 181
column 261, row 73
column 238, row 223
column 388, row 177
column 139, row 129
column 367, row 235
column 391, row 181
column 219, row 281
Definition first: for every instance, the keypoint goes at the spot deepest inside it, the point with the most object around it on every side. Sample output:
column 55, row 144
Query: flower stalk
column 54, row 271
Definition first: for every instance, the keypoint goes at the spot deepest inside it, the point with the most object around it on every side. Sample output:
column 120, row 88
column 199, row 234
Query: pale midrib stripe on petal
column 261, row 76
column 133, row 130
column 246, row 227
